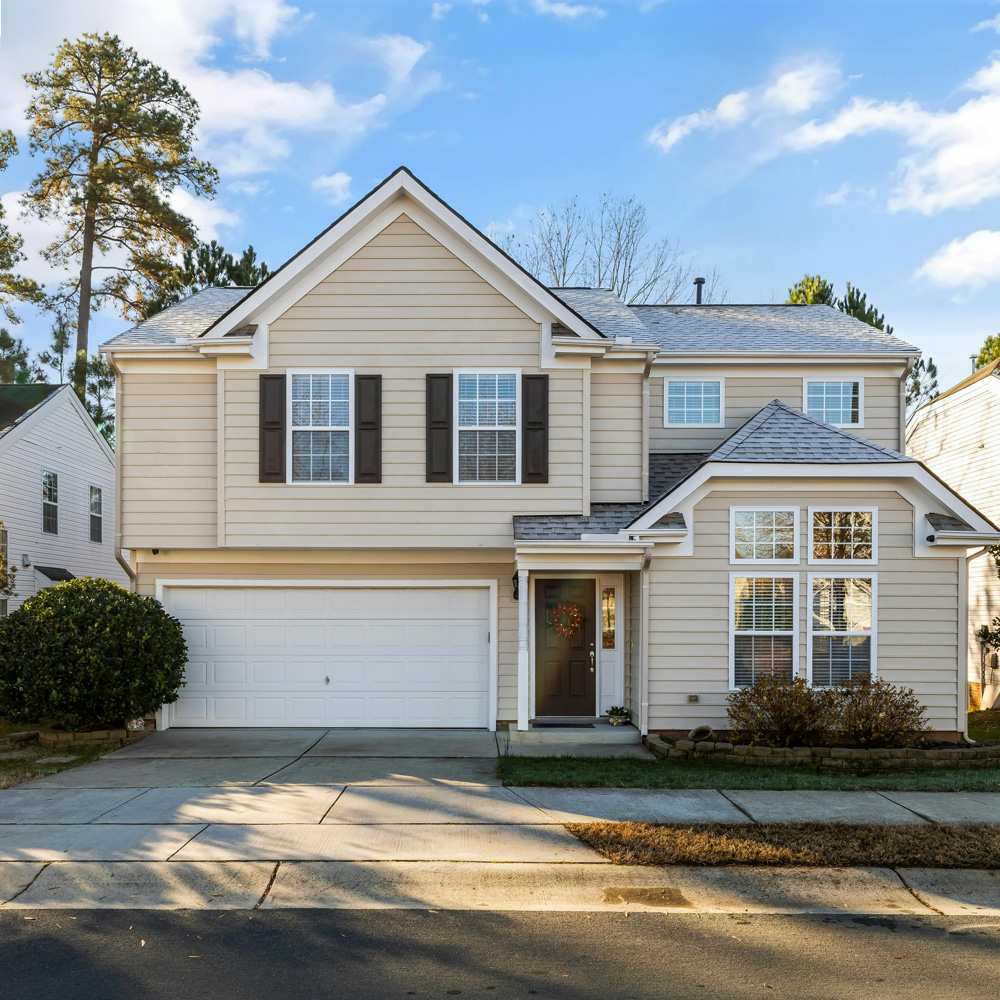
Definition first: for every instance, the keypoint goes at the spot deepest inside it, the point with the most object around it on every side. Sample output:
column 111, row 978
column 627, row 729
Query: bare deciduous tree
column 609, row 246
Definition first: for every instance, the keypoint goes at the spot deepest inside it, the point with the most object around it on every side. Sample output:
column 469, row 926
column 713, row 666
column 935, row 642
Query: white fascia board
column 967, row 539
column 782, row 357
column 148, row 350
column 295, row 277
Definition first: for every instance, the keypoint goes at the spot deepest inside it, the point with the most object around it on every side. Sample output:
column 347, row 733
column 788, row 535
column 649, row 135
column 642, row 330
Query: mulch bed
column 819, row 844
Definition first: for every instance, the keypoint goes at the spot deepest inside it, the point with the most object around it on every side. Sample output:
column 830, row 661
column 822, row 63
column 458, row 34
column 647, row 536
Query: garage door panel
column 393, row 656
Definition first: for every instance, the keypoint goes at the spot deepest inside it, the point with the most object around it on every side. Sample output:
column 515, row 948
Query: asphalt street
column 390, row 953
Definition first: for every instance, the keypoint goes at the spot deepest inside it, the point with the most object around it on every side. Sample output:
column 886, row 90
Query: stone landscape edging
column 826, row 758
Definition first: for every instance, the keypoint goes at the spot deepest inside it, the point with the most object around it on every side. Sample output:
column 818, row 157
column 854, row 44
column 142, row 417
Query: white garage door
column 289, row 656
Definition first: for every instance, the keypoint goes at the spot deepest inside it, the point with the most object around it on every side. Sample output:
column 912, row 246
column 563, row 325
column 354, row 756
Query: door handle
column 591, row 661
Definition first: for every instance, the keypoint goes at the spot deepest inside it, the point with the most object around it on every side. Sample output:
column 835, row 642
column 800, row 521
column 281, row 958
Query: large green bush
column 87, row 653
column 789, row 713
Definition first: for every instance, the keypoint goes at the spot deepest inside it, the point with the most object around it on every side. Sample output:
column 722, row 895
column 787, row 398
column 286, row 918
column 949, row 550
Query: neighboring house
column 957, row 435
column 57, row 490
column 402, row 483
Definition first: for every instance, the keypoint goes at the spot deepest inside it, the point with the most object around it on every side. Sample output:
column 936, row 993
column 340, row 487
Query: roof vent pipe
column 698, row 282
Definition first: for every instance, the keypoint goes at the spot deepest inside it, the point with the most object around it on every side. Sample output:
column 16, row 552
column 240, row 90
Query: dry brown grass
column 821, row 844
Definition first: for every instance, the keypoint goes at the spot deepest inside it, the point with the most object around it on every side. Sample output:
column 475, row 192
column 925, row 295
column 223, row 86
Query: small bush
column 89, row 652
column 782, row 713
column 876, row 714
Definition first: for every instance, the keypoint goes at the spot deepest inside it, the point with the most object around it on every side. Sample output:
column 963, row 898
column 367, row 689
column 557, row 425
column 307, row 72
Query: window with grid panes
column 487, row 427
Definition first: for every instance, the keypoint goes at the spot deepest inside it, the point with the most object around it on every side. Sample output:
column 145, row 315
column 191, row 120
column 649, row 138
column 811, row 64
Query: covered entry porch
column 580, row 635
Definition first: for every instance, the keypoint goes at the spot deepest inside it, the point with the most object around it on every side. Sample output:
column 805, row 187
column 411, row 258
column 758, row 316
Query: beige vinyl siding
column 353, row 564
column 168, row 453
column 959, row 440
column 689, row 607
column 748, row 389
column 402, row 307
column 615, row 436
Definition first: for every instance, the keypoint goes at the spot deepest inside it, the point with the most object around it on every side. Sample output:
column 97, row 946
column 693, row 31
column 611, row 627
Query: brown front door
column 565, row 665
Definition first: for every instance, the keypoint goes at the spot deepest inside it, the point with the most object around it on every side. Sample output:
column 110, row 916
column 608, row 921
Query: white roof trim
column 400, row 183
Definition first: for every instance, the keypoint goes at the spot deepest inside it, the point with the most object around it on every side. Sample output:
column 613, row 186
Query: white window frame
column 91, row 514
column 290, row 373
column 842, row 509
column 667, row 379
column 806, row 382
column 731, row 625
column 810, row 631
column 456, row 428
column 777, row 508
column 55, row 503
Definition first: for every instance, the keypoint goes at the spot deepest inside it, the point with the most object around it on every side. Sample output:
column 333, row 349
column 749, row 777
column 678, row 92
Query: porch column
column 523, row 653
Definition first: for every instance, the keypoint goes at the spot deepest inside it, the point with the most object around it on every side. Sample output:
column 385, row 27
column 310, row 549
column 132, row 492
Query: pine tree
column 855, row 304
column 16, row 365
column 13, row 286
column 812, row 290
column 116, row 133
column 990, row 351
column 59, row 351
column 922, row 385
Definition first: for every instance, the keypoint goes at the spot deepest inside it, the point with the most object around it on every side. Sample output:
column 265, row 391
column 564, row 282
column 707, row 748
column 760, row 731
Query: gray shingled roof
column 17, row 401
column 946, row 522
column 823, row 329
column 189, row 318
column 605, row 518
column 667, row 470
column 603, row 309
column 779, row 433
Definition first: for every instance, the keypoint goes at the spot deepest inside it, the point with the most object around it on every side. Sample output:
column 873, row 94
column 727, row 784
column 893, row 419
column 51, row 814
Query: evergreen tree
column 116, row 135
column 990, row 351
column 57, row 356
column 13, row 286
column 16, row 365
column 855, row 304
column 812, row 290
column 922, row 385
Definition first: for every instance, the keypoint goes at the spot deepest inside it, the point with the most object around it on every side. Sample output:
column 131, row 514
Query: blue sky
column 857, row 140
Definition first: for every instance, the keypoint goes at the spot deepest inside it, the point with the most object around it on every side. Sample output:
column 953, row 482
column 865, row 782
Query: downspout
column 644, row 648
column 963, row 649
column 118, row 476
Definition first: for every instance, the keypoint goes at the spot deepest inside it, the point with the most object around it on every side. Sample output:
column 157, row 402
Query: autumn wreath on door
column 564, row 618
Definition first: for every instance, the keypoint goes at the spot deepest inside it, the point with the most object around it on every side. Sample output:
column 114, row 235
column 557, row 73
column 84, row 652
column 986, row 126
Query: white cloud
column 566, row 11
column 969, row 262
column 838, row 197
column 249, row 116
column 438, row 10
column 208, row 217
column 955, row 155
column 790, row 92
column 992, row 24
column 335, row 188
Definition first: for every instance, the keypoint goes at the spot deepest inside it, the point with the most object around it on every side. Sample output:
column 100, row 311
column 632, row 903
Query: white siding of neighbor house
column 958, row 439
column 748, row 388
column 354, row 564
column 917, row 600
column 58, row 441
column 616, row 438
column 403, row 306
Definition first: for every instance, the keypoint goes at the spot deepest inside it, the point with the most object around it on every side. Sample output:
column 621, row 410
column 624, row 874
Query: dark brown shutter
column 368, row 428
column 439, row 417
column 535, row 429
column 272, row 428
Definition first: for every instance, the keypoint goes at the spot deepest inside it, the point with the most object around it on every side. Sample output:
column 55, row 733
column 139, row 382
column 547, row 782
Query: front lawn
column 40, row 760
column 824, row 844
column 985, row 725
column 629, row 772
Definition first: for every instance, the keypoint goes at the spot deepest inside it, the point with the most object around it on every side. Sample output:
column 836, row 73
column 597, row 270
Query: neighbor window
column 762, row 628
column 841, row 627
column 487, row 427
column 695, row 403
column 842, row 534
column 608, row 618
column 50, row 503
column 834, row 402
column 321, row 427
column 762, row 535
column 96, row 514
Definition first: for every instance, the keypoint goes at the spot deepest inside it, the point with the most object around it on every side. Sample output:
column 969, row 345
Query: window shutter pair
column 534, row 429
column 367, row 429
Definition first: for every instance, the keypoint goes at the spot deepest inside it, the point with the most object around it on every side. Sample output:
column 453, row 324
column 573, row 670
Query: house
column 402, row 483
column 956, row 436
column 57, row 491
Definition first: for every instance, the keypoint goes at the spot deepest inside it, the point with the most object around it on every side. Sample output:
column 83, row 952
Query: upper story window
column 836, row 403
column 320, row 426
column 845, row 534
column 692, row 403
column 50, row 503
column 96, row 514
column 487, row 427
column 762, row 534
column 762, row 628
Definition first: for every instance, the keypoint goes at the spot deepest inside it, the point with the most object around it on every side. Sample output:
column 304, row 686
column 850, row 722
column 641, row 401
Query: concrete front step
column 599, row 732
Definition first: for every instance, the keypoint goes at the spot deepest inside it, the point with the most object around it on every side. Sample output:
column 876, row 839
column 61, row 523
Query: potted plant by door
column 617, row 715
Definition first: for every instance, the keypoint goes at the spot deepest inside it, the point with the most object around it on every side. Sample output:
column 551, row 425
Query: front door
column 565, row 654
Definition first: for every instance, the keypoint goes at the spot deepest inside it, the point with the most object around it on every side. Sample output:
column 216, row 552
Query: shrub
column 89, row 652
column 876, row 714
column 782, row 713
